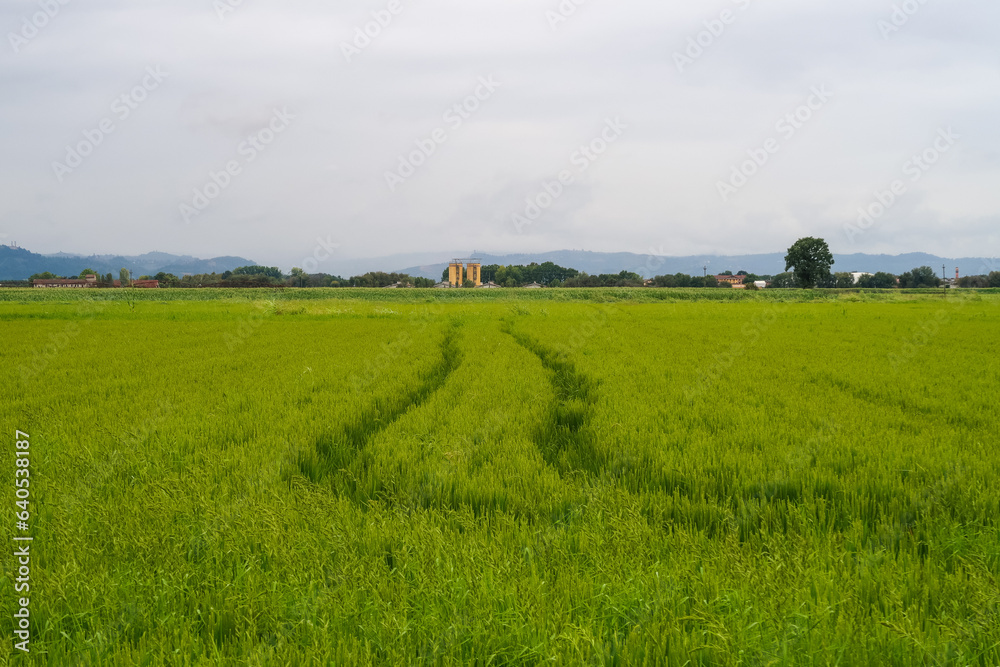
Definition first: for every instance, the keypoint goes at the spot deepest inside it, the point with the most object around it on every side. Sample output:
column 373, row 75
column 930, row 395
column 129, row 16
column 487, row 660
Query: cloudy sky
column 276, row 130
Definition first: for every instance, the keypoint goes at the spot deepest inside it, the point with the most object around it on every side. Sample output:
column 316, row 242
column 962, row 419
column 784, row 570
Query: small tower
column 473, row 272
column 455, row 271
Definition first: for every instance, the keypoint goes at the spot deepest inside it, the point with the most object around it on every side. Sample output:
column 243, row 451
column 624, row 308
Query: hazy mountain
column 20, row 264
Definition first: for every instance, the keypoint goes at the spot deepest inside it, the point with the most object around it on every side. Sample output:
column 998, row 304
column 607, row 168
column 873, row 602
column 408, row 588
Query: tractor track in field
column 565, row 439
column 342, row 454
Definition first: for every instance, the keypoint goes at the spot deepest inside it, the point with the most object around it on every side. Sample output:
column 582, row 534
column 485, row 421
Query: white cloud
column 325, row 176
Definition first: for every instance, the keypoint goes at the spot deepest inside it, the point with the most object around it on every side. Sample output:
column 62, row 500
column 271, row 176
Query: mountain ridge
column 21, row 264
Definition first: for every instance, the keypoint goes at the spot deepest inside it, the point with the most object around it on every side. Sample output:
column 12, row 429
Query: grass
column 580, row 477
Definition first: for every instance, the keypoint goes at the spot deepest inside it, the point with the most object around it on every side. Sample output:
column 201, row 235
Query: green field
column 602, row 477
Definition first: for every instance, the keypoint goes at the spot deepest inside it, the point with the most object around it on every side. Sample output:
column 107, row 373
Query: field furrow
column 565, row 439
column 342, row 455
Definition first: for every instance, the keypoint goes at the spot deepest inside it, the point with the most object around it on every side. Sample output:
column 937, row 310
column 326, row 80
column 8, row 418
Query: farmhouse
column 533, row 286
column 733, row 281
column 89, row 281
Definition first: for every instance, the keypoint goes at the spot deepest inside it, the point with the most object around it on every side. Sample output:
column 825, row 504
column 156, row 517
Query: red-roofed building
column 732, row 281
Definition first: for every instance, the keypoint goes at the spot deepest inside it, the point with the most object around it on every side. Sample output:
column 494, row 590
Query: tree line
column 550, row 274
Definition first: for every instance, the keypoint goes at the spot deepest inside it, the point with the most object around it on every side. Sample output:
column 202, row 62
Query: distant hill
column 766, row 264
column 20, row 264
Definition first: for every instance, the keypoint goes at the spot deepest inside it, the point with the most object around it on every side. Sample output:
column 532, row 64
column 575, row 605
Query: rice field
column 569, row 477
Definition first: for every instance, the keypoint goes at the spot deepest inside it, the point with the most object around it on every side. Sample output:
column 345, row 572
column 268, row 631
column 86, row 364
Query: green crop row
column 129, row 297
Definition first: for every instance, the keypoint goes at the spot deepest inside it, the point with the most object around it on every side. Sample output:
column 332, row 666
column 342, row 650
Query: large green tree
column 784, row 281
column 880, row 280
column 843, row 280
column 167, row 279
column 811, row 259
column 269, row 271
column 298, row 277
column 922, row 276
column 977, row 282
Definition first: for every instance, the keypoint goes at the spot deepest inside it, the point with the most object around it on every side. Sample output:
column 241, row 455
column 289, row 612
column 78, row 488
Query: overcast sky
column 115, row 116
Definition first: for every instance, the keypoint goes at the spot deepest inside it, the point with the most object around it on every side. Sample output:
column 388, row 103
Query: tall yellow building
column 461, row 270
